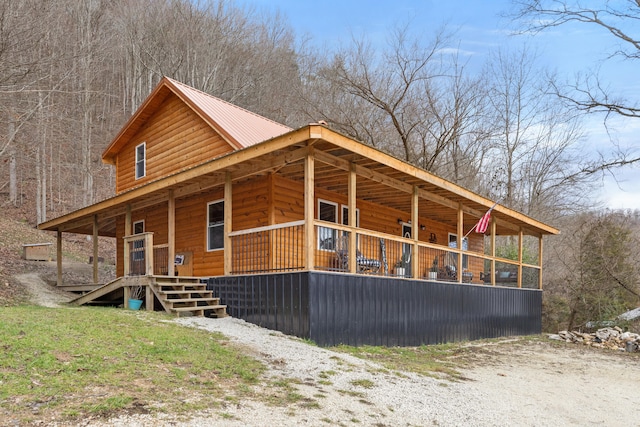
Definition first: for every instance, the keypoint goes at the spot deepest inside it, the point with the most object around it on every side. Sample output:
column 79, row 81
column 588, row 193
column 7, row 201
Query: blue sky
column 479, row 28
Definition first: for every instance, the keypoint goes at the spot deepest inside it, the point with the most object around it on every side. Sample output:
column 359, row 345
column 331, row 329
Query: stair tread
column 166, row 289
column 216, row 300
column 200, row 307
column 190, row 291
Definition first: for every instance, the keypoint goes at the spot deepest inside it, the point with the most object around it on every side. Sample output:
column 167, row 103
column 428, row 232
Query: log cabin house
column 306, row 231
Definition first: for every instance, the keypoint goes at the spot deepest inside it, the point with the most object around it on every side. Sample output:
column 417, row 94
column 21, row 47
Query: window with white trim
column 137, row 249
column 453, row 243
column 215, row 225
column 138, row 227
column 141, row 160
column 327, row 211
column 345, row 216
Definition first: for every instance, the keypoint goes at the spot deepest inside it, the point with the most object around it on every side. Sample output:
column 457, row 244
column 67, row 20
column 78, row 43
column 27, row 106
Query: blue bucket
column 135, row 304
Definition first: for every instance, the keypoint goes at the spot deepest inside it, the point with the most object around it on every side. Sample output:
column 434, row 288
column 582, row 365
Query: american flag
column 481, row 226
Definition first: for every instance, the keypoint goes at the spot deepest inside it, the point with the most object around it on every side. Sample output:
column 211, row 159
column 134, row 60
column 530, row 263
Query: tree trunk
column 39, row 188
column 13, row 177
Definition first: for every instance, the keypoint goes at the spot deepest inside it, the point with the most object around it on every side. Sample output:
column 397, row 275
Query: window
column 453, row 243
column 138, row 227
column 345, row 216
column 141, row 163
column 137, row 249
column 327, row 211
column 215, row 225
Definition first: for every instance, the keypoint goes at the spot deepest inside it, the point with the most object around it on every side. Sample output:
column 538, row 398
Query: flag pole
column 469, row 232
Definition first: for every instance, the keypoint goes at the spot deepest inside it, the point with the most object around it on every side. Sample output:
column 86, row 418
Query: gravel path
column 41, row 293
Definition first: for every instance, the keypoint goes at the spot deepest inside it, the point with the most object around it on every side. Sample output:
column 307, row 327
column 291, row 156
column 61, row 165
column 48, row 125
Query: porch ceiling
column 435, row 202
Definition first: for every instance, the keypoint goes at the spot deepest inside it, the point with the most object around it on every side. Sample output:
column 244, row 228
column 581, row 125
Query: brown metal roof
column 243, row 127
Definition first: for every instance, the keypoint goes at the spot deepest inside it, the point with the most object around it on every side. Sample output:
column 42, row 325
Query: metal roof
column 242, row 126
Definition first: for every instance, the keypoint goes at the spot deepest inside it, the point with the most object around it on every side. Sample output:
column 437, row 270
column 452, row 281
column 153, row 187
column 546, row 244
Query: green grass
column 364, row 383
column 433, row 360
column 80, row 361
column 444, row 361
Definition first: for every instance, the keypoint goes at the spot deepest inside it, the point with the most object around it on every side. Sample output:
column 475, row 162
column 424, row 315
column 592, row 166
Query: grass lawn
column 75, row 362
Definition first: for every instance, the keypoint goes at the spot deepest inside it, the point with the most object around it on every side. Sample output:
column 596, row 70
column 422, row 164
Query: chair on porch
column 449, row 263
column 363, row 264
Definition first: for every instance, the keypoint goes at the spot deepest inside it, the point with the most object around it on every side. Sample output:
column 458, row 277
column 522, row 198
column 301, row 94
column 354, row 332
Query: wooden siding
column 288, row 200
column 288, row 205
column 176, row 138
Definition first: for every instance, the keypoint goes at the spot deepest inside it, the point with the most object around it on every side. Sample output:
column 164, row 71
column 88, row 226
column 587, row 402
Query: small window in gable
column 141, row 160
column 215, row 225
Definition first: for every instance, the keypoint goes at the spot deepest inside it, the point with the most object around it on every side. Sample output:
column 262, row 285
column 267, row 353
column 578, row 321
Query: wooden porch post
column 148, row 300
column 127, row 232
column 126, row 295
column 148, row 252
column 493, row 252
column 271, row 212
column 520, row 248
column 95, row 249
column 228, row 223
column 171, row 234
column 309, row 200
column 352, row 218
column 459, row 243
column 59, row 256
column 415, row 259
column 540, row 262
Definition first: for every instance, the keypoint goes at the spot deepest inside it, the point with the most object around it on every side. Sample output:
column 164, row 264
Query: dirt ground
column 509, row 382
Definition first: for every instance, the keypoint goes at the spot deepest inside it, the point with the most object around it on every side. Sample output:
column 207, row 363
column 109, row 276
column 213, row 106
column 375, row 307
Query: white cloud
column 625, row 193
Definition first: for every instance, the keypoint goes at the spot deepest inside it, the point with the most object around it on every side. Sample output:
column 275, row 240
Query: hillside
column 76, row 251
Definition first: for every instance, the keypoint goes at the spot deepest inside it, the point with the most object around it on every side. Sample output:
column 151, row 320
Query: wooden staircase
column 186, row 295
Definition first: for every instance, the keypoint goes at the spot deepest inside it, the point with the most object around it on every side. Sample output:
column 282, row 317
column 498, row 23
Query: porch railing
column 280, row 248
column 382, row 254
column 274, row 248
column 138, row 260
column 161, row 259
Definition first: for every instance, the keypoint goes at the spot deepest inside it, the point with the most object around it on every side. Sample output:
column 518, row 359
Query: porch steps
column 95, row 295
column 186, row 295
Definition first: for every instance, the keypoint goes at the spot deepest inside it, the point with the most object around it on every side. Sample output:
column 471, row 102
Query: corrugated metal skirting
column 333, row 309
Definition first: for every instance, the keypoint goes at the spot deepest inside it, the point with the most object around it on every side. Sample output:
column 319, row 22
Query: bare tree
column 72, row 72
column 213, row 46
column 535, row 138
column 619, row 20
column 389, row 85
column 457, row 127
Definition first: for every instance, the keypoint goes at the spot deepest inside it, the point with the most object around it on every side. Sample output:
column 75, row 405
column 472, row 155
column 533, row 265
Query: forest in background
column 73, row 71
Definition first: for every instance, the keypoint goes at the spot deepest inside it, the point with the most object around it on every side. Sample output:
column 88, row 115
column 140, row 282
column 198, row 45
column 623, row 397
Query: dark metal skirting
column 333, row 309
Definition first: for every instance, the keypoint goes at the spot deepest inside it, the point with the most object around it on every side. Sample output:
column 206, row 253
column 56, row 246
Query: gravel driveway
column 516, row 384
